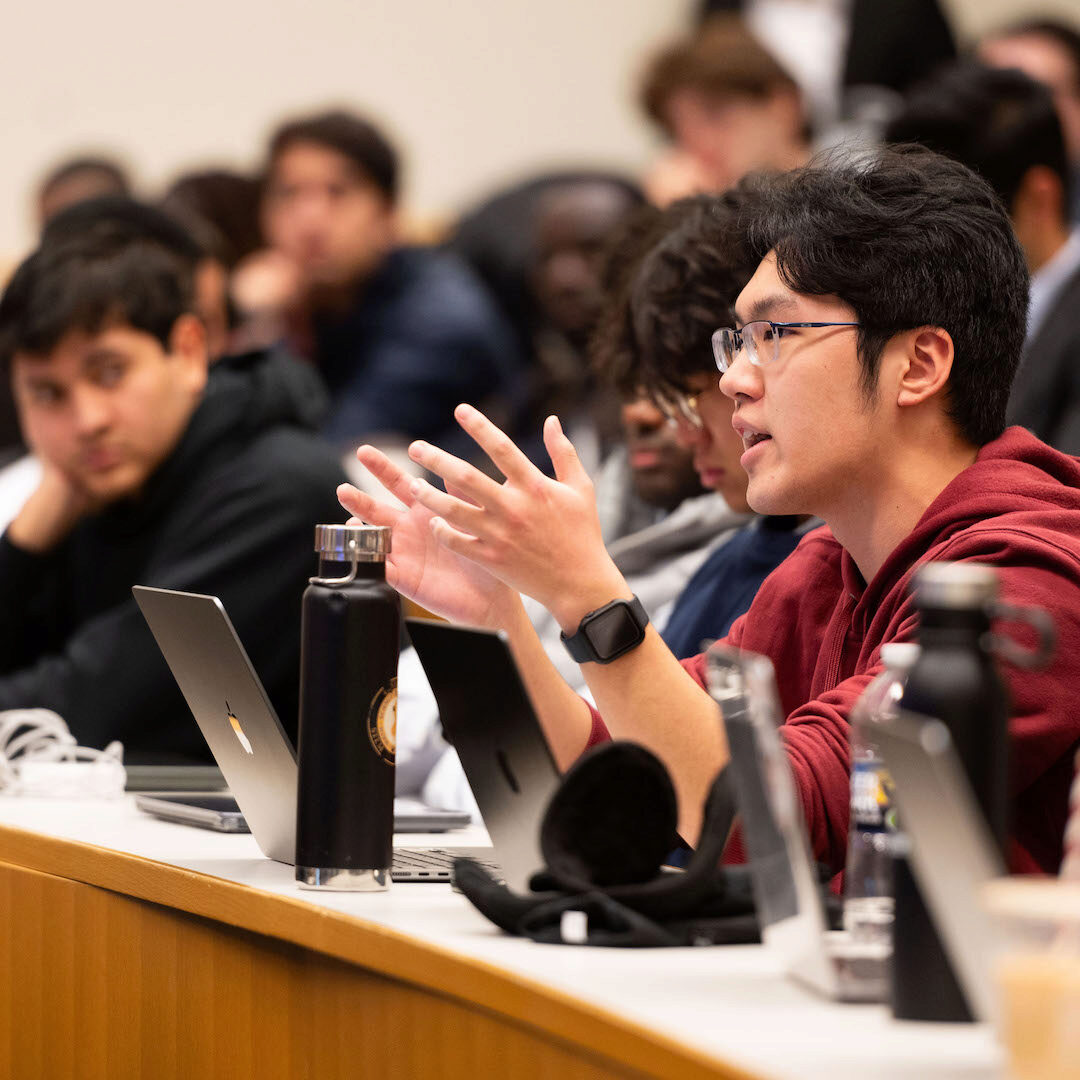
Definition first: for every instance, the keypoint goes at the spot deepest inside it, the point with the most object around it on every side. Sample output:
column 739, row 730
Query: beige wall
column 476, row 91
column 974, row 17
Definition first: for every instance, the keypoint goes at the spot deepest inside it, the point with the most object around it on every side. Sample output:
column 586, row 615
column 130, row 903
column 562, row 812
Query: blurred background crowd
column 478, row 274
column 418, row 255
column 412, row 281
column 512, row 205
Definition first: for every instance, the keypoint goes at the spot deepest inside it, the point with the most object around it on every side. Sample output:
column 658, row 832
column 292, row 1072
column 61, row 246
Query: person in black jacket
column 157, row 470
column 401, row 334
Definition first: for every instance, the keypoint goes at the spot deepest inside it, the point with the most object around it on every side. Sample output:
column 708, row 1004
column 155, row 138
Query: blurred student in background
column 536, row 244
column 1048, row 51
column 220, row 208
column 728, row 107
column 399, row 334
column 572, row 226
column 1003, row 125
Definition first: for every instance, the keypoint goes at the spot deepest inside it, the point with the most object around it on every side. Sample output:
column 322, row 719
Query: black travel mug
column 350, row 637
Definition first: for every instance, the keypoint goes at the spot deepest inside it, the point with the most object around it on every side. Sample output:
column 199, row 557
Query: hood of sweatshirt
column 1018, row 494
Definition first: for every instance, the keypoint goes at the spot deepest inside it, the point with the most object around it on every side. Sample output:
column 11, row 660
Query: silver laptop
column 785, row 884
column 257, row 759
column 252, row 749
column 950, row 845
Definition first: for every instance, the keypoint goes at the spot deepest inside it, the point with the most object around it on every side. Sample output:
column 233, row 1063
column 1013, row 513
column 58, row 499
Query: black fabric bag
column 605, row 837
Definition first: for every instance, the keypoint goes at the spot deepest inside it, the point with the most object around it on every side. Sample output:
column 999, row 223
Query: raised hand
column 538, row 535
column 419, row 566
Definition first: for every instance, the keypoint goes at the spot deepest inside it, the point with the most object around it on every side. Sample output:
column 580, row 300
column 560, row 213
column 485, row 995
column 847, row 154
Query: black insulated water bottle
column 350, row 636
column 955, row 680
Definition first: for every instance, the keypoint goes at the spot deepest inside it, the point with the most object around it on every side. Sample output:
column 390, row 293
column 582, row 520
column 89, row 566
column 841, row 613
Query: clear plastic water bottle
column 868, row 876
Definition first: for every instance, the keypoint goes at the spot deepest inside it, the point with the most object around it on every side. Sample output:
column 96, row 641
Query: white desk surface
column 729, row 1001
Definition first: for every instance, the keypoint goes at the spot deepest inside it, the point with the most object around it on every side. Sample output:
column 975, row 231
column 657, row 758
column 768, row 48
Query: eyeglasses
column 678, row 407
column 761, row 339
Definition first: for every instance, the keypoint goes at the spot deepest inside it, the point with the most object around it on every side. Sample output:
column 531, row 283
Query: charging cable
column 40, row 757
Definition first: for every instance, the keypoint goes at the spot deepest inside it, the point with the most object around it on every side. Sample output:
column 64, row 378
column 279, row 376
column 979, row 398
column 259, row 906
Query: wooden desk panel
column 119, row 967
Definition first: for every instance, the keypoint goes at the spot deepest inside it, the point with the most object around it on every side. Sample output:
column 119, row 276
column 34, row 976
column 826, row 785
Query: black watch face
column 612, row 631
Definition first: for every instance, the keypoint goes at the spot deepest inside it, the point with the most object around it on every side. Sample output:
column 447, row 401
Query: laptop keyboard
column 435, row 864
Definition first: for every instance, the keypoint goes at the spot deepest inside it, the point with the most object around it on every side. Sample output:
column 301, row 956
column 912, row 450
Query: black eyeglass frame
column 736, row 336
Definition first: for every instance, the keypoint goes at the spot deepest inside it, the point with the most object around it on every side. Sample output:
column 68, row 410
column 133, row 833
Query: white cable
column 39, row 757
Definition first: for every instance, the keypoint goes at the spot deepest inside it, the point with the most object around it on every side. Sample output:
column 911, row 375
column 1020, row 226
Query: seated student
column 673, row 276
column 659, row 524
column 399, row 334
column 20, row 472
column 1003, row 125
column 727, row 105
column 155, row 471
column 658, row 335
column 573, row 224
column 1049, row 51
column 885, row 417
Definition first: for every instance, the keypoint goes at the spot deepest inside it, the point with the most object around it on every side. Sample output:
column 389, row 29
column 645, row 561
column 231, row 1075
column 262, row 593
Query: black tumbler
column 955, row 679
column 350, row 636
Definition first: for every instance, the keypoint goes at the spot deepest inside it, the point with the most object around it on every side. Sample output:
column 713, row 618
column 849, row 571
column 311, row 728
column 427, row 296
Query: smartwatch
column 608, row 632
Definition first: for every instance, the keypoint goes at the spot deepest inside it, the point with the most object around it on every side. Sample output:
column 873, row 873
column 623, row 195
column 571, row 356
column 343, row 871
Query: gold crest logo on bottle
column 382, row 721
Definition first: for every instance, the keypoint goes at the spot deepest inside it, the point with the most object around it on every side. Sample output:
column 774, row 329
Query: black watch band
column 608, row 632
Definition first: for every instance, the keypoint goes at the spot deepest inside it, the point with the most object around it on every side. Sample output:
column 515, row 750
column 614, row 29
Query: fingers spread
column 477, row 487
column 498, row 446
column 463, row 514
column 363, row 506
column 391, row 476
column 454, row 540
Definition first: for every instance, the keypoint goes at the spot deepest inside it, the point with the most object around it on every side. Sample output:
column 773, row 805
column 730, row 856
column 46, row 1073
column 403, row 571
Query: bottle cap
column 343, row 543
column 955, row 585
column 900, row 654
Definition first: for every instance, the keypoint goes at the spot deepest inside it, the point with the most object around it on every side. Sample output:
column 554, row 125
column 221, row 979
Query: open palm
column 418, row 566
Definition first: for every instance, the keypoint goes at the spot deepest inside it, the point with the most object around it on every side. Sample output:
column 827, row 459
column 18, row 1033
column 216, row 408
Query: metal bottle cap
column 343, row 543
column 352, row 544
column 955, row 585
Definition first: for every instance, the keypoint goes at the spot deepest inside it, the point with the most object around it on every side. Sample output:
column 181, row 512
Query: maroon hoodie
column 1017, row 508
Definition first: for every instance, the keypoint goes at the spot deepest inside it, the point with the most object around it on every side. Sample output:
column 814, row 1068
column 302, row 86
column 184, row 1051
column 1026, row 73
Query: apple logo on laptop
column 245, row 742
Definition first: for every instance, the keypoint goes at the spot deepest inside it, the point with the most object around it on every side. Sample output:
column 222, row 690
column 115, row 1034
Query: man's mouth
column 752, row 438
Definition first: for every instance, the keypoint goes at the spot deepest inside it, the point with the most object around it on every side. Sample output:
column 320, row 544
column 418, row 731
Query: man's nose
column 742, row 379
column 642, row 415
column 90, row 408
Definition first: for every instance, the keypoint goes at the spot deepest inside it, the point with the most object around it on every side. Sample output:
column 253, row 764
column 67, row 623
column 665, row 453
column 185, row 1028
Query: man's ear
column 928, row 361
column 187, row 346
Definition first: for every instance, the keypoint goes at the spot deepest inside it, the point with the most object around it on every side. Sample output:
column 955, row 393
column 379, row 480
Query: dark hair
column 102, row 262
column 673, row 277
column 112, row 174
column 1062, row 34
column 999, row 122
column 721, row 59
column 224, row 201
column 907, row 238
column 351, row 136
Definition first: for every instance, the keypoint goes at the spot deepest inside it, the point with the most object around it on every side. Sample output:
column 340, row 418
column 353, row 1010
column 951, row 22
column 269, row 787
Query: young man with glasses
column 888, row 424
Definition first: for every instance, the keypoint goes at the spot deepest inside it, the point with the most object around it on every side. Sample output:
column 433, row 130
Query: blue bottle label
column 871, row 797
